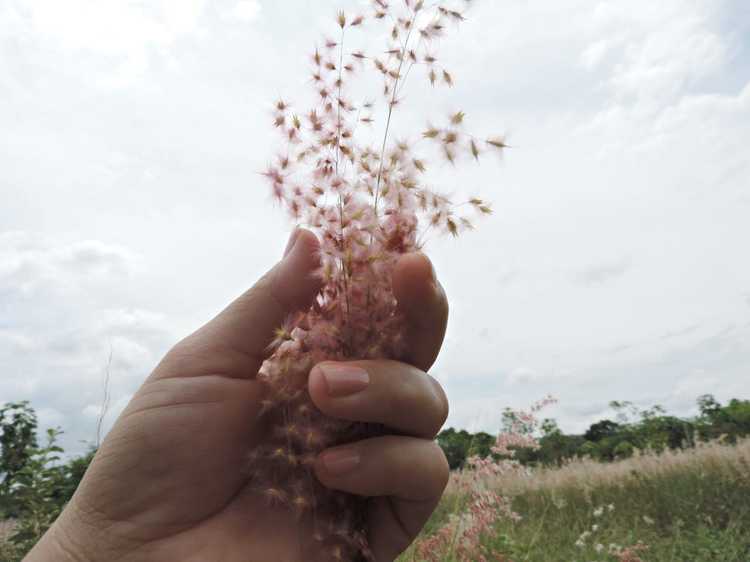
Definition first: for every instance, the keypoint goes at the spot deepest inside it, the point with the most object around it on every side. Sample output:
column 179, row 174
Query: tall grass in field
column 678, row 506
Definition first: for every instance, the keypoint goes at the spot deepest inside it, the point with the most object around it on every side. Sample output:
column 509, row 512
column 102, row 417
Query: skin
column 167, row 483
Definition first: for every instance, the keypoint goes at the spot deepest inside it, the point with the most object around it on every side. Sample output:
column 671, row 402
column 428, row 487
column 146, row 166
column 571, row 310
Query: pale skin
column 168, row 483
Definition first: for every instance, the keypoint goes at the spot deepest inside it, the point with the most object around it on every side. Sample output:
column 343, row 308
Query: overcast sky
column 615, row 267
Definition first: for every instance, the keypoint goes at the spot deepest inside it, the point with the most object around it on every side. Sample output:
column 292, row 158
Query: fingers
column 407, row 477
column 422, row 300
column 387, row 392
column 407, row 468
column 244, row 329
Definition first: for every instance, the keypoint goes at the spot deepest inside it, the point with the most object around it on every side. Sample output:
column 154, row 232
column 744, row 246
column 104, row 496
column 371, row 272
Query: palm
column 195, row 460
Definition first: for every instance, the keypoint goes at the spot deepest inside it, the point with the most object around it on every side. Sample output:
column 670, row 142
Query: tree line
column 611, row 439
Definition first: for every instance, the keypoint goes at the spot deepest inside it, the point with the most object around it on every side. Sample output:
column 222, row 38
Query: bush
column 36, row 482
column 624, row 450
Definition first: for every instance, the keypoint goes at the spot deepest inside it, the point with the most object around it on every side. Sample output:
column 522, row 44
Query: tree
column 623, row 450
column 731, row 421
column 601, row 429
column 460, row 445
column 555, row 447
column 72, row 473
column 480, row 445
column 36, row 481
column 36, row 492
column 18, row 425
column 738, row 411
column 708, row 406
column 660, row 432
column 549, row 427
column 625, row 409
column 588, row 449
column 455, row 446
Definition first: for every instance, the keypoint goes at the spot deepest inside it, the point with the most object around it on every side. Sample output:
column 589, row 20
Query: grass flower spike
column 369, row 203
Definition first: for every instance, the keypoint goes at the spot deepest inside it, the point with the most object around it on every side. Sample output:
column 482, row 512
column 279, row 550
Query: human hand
column 168, row 483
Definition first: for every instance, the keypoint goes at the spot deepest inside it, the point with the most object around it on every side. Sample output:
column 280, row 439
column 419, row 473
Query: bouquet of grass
column 340, row 174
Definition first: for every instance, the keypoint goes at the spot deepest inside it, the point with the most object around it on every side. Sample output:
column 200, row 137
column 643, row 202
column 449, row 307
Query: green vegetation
column 608, row 440
column 35, row 482
column 682, row 487
column 694, row 512
column 685, row 505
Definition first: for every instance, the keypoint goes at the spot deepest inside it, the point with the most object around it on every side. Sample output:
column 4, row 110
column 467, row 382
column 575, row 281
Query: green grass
column 688, row 507
column 691, row 506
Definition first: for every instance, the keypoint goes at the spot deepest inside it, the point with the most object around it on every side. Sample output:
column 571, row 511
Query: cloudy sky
column 615, row 267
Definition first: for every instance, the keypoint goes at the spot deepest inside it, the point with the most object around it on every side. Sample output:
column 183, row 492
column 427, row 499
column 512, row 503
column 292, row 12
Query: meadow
column 512, row 497
column 689, row 505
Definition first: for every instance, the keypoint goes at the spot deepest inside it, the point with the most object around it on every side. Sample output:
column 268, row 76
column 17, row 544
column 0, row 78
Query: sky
column 615, row 267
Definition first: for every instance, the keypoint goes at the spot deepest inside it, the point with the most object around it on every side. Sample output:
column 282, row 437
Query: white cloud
column 50, row 417
column 246, row 10
column 696, row 384
column 658, row 62
column 113, row 27
column 121, row 41
column 602, row 273
column 522, row 374
column 30, row 262
column 595, row 53
column 659, row 56
column 16, row 342
column 59, row 327
column 92, row 411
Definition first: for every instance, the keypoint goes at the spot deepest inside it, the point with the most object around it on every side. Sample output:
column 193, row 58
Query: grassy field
column 687, row 506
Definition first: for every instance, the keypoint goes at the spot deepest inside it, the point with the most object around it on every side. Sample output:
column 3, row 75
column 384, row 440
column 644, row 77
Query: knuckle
column 407, row 394
column 181, row 358
column 441, row 469
column 442, row 406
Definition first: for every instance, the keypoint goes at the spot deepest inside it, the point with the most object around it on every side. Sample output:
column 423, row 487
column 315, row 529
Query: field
column 685, row 506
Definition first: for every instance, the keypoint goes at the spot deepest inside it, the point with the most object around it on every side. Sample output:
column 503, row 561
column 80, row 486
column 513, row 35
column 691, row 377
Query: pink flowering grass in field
column 462, row 537
column 686, row 505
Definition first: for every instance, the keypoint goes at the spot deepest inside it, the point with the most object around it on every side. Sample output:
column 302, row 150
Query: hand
column 167, row 483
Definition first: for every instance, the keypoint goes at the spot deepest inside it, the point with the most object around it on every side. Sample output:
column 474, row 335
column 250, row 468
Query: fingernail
column 292, row 241
column 344, row 379
column 340, row 461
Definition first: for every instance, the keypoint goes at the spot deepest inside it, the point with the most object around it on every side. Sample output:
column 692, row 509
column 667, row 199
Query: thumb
column 245, row 328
